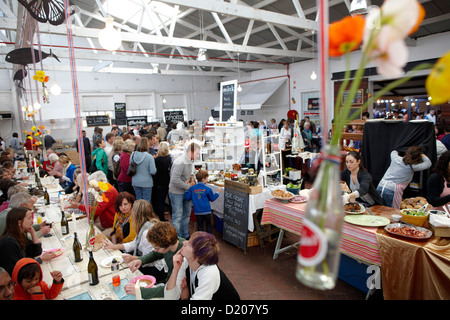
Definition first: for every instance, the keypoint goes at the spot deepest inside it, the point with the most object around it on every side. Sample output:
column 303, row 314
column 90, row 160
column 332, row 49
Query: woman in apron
column 400, row 173
column 438, row 184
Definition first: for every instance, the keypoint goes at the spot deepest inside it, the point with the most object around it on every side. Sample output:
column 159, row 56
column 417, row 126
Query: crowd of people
column 136, row 219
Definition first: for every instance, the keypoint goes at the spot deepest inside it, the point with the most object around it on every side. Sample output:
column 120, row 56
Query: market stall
column 410, row 268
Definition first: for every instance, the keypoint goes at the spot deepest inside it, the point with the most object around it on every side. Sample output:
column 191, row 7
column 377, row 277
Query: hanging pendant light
column 110, row 39
column 313, row 75
column 202, row 55
column 55, row 89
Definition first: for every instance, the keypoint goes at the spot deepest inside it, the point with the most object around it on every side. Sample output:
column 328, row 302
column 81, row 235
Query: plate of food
column 145, row 281
column 408, row 231
column 299, row 199
column 364, row 220
column 106, row 263
column 354, row 208
column 282, row 195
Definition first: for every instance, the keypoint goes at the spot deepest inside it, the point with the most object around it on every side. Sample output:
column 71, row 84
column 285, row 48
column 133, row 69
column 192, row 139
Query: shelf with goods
column 224, row 145
column 272, row 172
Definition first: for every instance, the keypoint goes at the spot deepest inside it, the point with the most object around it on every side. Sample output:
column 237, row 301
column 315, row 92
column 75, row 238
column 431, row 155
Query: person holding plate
column 359, row 181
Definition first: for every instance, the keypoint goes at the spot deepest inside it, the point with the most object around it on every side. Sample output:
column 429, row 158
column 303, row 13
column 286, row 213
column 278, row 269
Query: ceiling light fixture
column 202, row 55
column 156, row 69
column 358, row 7
column 313, row 73
column 110, row 39
column 55, row 89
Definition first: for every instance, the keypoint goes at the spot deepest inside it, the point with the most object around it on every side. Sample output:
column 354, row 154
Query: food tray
column 401, row 225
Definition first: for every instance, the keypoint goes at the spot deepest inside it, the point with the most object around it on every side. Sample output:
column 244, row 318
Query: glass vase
column 318, row 256
column 90, row 236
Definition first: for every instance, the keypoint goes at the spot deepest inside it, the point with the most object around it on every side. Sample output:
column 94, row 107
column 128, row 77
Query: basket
column 294, row 191
column 415, row 220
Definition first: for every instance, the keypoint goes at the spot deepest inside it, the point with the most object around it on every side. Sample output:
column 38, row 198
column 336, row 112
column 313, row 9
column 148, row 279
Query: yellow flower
column 438, row 81
column 33, row 128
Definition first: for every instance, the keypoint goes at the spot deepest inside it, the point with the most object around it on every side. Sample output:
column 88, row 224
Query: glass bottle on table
column 46, row 197
column 92, row 270
column 76, row 248
column 64, row 224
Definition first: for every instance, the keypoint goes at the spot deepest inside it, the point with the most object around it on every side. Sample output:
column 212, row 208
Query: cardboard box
column 440, row 231
column 295, row 174
column 236, row 185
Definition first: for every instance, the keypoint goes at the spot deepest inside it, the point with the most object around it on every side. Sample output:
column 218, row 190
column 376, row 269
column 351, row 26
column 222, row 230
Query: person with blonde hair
column 68, row 168
column 123, row 179
column 142, row 180
column 144, row 218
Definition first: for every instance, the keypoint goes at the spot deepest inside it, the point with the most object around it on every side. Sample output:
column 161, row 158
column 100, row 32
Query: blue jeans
column 387, row 195
column 143, row 193
column 181, row 213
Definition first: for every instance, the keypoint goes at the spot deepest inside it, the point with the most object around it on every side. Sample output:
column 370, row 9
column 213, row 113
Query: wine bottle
column 46, row 197
column 64, row 224
column 92, row 270
column 76, row 248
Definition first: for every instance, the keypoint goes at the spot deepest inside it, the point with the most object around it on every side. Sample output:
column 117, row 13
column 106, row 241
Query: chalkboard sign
column 228, row 99
column 235, row 217
column 97, row 121
column 358, row 99
column 173, row 116
column 120, row 111
column 133, row 121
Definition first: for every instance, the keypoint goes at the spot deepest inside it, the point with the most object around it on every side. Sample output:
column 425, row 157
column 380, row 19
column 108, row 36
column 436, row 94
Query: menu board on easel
column 235, row 217
column 228, row 100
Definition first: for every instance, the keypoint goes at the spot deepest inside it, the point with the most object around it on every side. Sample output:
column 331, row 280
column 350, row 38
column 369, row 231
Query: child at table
column 201, row 196
column 27, row 275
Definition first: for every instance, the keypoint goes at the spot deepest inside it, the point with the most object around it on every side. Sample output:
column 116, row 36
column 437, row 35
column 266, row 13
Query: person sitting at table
column 400, row 173
column 19, row 198
column 27, row 275
column 53, row 167
column 438, row 188
column 6, row 285
column 359, row 181
column 195, row 272
column 105, row 212
column 20, row 240
column 68, row 169
column 123, row 230
column 9, row 166
column 144, row 219
column 163, row 237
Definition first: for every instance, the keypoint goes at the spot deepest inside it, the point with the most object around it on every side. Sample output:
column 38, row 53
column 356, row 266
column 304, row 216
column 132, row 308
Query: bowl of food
column 282, row 195
column 416, row 217
column 293, row 188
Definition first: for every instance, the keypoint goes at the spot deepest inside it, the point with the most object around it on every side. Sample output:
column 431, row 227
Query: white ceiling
column 238, row 34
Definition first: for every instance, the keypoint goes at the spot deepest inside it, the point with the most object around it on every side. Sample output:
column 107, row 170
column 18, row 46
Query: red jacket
column 105, row 209
column 21, row 294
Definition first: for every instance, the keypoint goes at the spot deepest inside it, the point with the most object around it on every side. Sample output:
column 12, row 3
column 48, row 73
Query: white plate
column 361, row 211
column 106, row 263
column 304, row 199
column 419, row 120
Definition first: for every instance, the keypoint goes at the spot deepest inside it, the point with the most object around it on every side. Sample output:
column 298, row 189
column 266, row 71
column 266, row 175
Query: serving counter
column 410, row 269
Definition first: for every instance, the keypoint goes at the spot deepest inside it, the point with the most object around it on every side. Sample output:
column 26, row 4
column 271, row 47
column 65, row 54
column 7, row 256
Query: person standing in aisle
column 180, row 181
column 124, row 180
column 163, row 162
column 87, row 149
column 98, row 134
column 109, row 140
column 142, row 180
column 99, row 156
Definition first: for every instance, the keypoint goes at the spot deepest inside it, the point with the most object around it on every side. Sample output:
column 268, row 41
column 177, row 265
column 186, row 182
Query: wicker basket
column 415, row 220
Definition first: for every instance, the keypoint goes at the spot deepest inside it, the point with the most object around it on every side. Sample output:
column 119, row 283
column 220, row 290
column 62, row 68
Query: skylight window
column 131, row 11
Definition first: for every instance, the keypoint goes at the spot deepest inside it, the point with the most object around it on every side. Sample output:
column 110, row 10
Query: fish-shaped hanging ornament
column 51, row 11
column 24, row 57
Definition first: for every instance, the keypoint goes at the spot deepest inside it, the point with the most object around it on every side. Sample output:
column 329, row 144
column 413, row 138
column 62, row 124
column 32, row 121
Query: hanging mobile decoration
column 42, row 78
column 51, row 11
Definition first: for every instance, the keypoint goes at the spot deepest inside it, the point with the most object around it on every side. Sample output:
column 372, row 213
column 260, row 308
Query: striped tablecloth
column 357, row 242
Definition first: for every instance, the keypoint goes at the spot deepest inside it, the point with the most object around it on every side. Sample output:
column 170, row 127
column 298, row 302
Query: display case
column 272, row 172
column 224, row 145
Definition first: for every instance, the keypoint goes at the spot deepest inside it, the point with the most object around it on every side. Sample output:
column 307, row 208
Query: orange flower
column 345, row 35
column 419, row 21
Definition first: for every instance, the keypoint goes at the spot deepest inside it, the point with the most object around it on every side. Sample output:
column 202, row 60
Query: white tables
column 76, row 284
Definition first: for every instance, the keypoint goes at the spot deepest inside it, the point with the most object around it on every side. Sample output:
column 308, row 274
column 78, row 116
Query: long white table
column 76, row 284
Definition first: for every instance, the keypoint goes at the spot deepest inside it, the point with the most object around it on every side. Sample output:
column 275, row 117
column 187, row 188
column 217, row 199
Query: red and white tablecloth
column 357, row 242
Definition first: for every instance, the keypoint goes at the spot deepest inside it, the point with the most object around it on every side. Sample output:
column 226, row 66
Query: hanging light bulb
column 164, row 100
column 202, row 55
column 55, row 89
column 313, row 75
column 239, row 88
column 110, row 38
column 36, row 106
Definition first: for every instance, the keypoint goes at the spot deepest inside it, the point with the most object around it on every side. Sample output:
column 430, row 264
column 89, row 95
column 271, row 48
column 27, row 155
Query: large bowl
column 415, row 220
column 294, row 191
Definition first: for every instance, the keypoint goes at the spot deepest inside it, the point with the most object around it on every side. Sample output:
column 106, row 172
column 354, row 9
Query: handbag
column 132, row 167
column 93, row 166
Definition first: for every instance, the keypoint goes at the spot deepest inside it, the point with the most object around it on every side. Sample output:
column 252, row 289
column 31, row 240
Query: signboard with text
column 228, row 100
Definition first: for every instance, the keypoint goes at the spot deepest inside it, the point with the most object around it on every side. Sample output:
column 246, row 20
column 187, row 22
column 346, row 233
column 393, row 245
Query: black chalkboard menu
column 97, row 121
column 235, row 217
column 120, row 111
column 133, row 121
column 228, row 92
column 173, row 116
